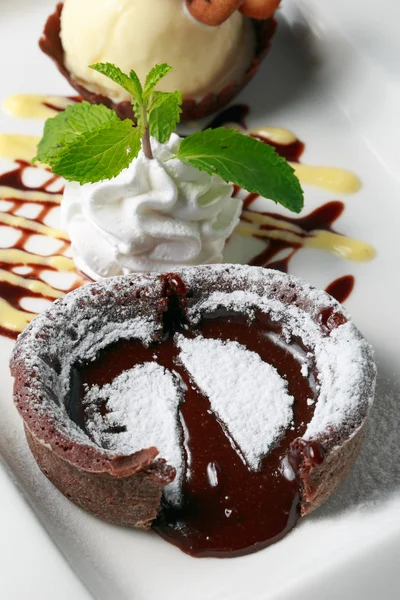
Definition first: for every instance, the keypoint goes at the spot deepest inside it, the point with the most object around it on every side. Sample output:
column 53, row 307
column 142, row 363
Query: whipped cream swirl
column 155, row 215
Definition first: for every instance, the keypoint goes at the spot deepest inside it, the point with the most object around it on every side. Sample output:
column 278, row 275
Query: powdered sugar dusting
column 341, row 361
column 74, row 329
column 144, row 402
column 247, row 395
column 343, row 358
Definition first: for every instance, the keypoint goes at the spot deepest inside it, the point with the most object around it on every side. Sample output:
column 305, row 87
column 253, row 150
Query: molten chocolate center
column 227, row 508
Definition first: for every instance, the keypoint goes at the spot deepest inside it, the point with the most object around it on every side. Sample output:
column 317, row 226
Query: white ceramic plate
column 331, row 77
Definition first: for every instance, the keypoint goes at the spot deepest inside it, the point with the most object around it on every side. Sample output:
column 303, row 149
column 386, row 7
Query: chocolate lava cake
column 192, row 108
column 215, row 405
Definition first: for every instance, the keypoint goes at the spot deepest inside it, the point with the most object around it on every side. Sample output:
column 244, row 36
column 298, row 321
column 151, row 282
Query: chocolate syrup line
column 320, row 219
column 233, row 114
column 14, row 179
column 15, row 287
column 341, row 288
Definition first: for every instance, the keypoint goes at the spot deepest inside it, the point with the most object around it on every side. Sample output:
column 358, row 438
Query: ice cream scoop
column 136, row 35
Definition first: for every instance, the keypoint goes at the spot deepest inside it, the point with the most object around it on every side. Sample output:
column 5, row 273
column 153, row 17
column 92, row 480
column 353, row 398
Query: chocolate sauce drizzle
column 320, row 219
column 10, row 292
column 341, row 288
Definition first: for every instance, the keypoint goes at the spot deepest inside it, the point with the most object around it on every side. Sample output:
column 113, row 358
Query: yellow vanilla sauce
column 332, row 179
column 277, row 135
column 30, row 270
column 35, row 106
column 341, row 245
column 13, row 146
column 336, row 180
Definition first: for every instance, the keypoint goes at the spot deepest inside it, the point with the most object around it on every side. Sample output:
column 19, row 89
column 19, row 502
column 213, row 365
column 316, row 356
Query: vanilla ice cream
column 137, row 34
column 156, row 215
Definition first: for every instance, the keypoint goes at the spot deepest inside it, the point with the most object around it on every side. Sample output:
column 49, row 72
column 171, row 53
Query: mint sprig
column 77, row 144
column 154, row 77
column 88, row 143
column 130, row 82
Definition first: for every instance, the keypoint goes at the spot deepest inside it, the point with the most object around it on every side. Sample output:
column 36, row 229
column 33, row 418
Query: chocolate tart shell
column 127, row 490
column 192, row 109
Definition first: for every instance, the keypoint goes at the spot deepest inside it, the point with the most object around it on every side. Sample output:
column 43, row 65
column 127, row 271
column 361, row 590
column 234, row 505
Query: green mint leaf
column 130, row 83
column 164, row 114
column 138, row 97
column 66, row 127
column 100, row 154
column 154, row 76
column 242, row 160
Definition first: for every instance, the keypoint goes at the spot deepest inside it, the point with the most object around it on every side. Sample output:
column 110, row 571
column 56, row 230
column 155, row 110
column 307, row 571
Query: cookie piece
column 212, row 12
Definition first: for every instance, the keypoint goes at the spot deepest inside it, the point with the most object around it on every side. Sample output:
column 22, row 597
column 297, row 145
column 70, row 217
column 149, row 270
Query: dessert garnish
column 215, row 405
column 139, row 198
column 216, row 12
column 87, row 143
